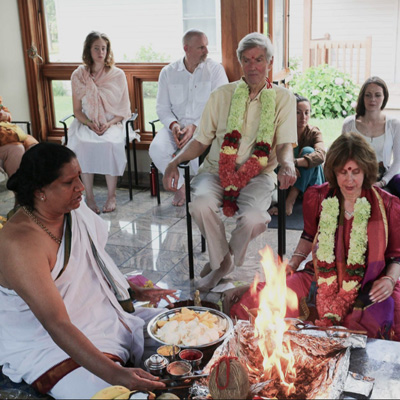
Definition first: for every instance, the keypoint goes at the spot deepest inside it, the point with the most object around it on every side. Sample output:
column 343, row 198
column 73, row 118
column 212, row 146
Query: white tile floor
column 151, row 239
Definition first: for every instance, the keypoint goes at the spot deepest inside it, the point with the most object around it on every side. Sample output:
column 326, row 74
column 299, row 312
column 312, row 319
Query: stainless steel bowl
column 156, row 364
column 169, row 351
column 179, row 369
column 192, row 356
column 166, row 315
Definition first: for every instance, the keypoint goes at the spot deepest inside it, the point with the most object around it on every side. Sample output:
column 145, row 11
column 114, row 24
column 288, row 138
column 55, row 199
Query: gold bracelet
column 390, row 279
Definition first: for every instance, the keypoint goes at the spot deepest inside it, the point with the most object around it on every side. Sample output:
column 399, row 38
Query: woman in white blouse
column 380, row 130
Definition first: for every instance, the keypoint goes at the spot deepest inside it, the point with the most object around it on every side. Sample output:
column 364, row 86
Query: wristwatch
column 295, row 162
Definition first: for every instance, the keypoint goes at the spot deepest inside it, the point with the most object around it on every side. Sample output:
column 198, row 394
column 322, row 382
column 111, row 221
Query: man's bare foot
column 273, row 211
column 110, row 206
column 93, row 206
column 213, row 278
column 179, row 198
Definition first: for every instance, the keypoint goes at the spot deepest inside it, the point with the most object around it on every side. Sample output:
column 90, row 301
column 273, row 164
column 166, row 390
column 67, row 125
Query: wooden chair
column 129, row 122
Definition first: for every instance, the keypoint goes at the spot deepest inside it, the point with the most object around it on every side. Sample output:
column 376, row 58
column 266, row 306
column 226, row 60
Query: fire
column 270, row 326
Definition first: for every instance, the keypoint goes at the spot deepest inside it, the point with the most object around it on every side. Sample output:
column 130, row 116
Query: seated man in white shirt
column 184, row 87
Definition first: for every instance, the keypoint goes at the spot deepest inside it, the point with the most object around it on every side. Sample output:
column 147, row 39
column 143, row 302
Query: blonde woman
column 101, row 102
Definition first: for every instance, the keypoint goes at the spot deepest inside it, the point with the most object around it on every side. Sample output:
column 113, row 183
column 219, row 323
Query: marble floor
column 150, row 239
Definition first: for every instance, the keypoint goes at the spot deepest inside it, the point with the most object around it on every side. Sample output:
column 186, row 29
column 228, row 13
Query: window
column 205, row 15
column 62, row 100
column 149, row 102
column 151, row 30
column 278, row 8
column 145, row 35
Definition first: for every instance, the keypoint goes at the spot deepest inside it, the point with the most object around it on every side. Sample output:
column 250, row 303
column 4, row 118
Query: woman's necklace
column 349, row 214
column 37, row 222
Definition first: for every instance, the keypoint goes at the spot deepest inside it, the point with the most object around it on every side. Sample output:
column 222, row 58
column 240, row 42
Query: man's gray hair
column 252, row 40
column 187, row 36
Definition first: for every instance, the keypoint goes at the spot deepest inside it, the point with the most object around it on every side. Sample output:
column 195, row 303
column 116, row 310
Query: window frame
column 238, row 18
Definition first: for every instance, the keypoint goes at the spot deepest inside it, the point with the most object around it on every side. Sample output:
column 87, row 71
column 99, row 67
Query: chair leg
column 189, row 223
column 135, row 163
column 281, row 222
column 158, row 188
column 129, row 168
column 203, row 244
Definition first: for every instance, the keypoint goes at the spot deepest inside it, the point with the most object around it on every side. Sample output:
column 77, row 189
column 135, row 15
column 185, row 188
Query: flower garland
column 233, row 180
column 334, row 302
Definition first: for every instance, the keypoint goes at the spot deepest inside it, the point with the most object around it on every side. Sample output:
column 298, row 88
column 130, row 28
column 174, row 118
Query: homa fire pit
column 283, row 361
column 320, row 368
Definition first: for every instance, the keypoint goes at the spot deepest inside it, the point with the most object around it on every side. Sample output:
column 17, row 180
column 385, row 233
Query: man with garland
column 250, row 126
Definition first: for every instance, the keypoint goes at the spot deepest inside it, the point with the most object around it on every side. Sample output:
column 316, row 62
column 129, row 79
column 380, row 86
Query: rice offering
column 191, row 328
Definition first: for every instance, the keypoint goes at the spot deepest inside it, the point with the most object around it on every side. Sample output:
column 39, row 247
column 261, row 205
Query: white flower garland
column 327, row 229
column 238, row 108
column 358, row 236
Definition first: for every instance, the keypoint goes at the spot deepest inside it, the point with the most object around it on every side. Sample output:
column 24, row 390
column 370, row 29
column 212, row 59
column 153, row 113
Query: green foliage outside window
column 332, row 93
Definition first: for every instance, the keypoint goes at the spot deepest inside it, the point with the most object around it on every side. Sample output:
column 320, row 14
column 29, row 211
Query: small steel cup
column 169, row 351
column 192, row 356
column 156, row 364
column 179, row 369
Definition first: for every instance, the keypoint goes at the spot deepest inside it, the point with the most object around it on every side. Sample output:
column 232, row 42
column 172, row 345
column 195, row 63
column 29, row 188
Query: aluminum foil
column 324, row 359
column 358, row 384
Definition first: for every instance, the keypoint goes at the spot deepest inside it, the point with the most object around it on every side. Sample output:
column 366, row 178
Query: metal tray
column 165, row 316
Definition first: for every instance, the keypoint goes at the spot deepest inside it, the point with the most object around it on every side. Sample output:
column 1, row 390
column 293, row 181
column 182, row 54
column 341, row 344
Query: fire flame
column 270, row 325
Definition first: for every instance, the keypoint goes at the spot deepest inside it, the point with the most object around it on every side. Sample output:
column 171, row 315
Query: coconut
column 228, row 379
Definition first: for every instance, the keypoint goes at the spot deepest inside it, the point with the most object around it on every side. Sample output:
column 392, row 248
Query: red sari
column 380, row 320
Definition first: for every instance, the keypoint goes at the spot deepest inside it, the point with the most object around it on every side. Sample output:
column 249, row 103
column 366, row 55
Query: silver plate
column 165, row 316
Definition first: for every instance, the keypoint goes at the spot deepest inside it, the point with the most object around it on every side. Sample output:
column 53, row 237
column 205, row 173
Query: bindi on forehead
column 349, row 168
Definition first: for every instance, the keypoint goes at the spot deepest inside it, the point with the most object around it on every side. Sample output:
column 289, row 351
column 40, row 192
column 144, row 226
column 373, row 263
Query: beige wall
column 12, row 70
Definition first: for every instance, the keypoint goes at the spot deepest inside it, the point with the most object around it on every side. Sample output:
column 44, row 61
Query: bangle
column 390, row 279
column 295, row 162
column 300, row 254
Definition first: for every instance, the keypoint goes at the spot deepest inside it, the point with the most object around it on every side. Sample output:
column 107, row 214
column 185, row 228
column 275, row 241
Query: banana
column 124, row 395
column 111, row 392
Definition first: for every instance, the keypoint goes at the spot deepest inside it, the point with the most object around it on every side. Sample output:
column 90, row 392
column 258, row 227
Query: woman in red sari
column 353, row 231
